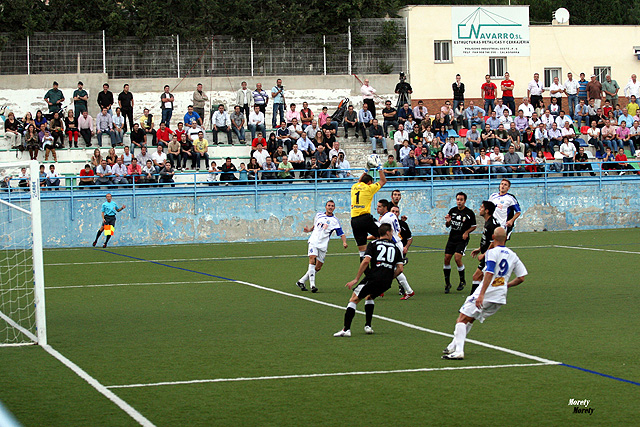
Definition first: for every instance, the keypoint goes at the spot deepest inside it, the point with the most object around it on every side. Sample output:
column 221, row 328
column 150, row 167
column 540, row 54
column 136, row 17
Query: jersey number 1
column 357, row 198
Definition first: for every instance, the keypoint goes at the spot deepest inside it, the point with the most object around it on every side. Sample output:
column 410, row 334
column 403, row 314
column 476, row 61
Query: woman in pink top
column 622, row 134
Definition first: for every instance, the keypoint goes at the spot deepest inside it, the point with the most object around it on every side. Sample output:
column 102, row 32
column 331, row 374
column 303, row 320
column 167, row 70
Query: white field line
column 298, row 255
column 136, row 284
column 330, row 374
column 99, row 387
column 597, row 249
column 18, row 344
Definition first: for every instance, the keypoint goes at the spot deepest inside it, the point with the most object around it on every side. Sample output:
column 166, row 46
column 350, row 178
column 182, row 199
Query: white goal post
column 22, row 301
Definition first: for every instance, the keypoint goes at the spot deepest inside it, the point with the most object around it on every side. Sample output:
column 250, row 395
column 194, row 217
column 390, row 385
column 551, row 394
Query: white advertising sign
column 490, row 30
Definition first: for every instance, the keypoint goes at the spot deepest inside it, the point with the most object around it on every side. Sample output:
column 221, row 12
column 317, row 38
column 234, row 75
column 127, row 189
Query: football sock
column 108, row 237
column 461, row 273
column 349, row 314
column 312, row 275
column 98, row 235
column 402, row 279
column 361, row 253
column 474, row 285
column 459, row 336
column 304, row 278
column 447, row 273
column 368, row 311
column 469, row 325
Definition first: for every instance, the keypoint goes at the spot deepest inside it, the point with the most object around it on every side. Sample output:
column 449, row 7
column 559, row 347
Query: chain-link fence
column 373, row 46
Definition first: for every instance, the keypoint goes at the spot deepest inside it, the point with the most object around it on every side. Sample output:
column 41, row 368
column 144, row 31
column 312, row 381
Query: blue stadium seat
column 582, row 142
column 453, row 133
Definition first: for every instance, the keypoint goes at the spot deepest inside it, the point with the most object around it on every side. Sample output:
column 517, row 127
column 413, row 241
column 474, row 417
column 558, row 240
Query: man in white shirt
column 159, row 157
column 554, row 136
column 568, row 151
column 535, row 89
column 244, row 98
column 505, row 118
column 313, row 129
column 526, row 107
column 571, row 88
column 260, row 154
column 634, row 133
column 256, row 122
column 450, row 149
column 220, row 123
column 343, row 166
column 398, row 139
column 594, row 137
column 500, row 108
column 547, row 119
column 119, row 171
column 497, row 161
column 192, row 132
column 557, row 89
column 632, row 87
column 295, row 130
column 541, row 136
column 336, row 150
column 296, row 158
column 562, row 119
column 368, row 92
column 534, row 121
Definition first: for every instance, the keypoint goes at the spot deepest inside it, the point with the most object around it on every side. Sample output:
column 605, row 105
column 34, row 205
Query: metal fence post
column 252, row 61
column 178, row 52
column 349, row 47
column 406, row 41
column 28, row 56
column 104, row 53
column 324, row 54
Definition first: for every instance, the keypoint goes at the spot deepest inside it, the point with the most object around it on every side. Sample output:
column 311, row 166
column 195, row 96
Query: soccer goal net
column 22, row 308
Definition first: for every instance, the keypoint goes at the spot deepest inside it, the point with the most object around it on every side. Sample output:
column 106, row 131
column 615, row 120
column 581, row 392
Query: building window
column 497, row 67
column 442, row 50
column 550, row 74
column 601, row 73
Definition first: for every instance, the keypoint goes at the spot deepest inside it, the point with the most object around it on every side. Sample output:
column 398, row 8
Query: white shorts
column 319, row 254
column 469, row 309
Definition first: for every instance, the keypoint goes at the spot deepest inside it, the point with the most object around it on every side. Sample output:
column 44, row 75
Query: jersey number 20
column 389, row 251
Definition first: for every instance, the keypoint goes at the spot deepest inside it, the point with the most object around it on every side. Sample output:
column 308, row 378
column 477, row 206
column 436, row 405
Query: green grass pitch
column 160, row 324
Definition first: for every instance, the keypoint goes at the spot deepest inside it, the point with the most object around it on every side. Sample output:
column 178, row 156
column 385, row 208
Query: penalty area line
column 330, row 374
column 597, row 249
column 107, row 285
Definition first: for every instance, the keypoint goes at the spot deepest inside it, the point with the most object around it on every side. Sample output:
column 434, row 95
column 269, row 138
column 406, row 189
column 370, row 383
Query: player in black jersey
column 383, row 261
column 462, row 221
column 406, row 238
column 486, row 211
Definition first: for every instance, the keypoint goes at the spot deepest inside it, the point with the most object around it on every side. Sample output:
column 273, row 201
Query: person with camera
column 277, row 93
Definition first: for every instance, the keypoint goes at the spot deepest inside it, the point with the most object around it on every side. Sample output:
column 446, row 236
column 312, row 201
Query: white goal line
column 109, row 285
column 330, row 374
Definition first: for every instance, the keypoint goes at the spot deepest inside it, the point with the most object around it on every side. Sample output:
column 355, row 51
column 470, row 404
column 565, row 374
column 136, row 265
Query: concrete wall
column 282, row 216
column 564, row 47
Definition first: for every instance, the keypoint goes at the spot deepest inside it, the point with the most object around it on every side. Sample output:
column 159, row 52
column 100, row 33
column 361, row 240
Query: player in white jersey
column 500, row 262
column 390, row 218
column 507, row 207
column 324, row 224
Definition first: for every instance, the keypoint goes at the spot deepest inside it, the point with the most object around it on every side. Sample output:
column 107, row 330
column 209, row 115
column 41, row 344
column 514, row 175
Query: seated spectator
column 292, row 114
column 159, row 158
column 527, row 108
column 534, row 122
column 85, row 127
column 278, row 154
column 458, row 114
column 118, row 126
column 40, row 119
column 138, row 138
column 180, row 130
column 192, row 131
column 283, row 136
column 23, row 179
column 260, row 154
column 228, row 170
column 554, row 108
column 201, row 151
column 56, row 126
column 144, row 156
column 134, row 171
column 163, row 135
column 415, row 136
column 542, row 137
column 295, row 130
column 399, row 137
column 594, row 137
column 502, row 137
column 497, row 161
column 404, row 113
column 562, row 119
column 512, row 160
column 253, row 168
column 343, row 166
column 365, row 120
column 623, row 136
column 420, row 111
column 541, row 162
column 127, row 156
column 119, row 173
column 147, row 125
column 296, row 158
column 505, row 118
column 390, row 117
column 581, row 114
column 404, row 151
column 568, row 151
column 314, row 128
column 192, row 117
column 306, row 145
column 450, row 149
column 425, row 162
column 112, row 156
column 376, row 136
column 322, row 158
column 243, row 174
column 53, row 178
column 529, row 140
column 326, row 122
column 256, row 122
column 555, row 138
column 186, row 152
column 237, row 123
column 269, row 170
column 86, row 176
column 214, row 174
column 569, row 132
column 220, row 123
column 488, row 137
column 530, row 163
column 166, row 174
column 409, row 163
column 48, row 146
column 148, row 175
column 471, row 115
column 582, row 163
column 456, row 164
column 350, row 121
column 625, row 117
column 493, row 121
column 514, row 136
column 329, row 139
column 390, row 167
column 468, row 163
column 103, row 173
column 272, row 143
column 173, row 152
column 620, row 157
column 441, row 165
column 285, row 168
column 11, row 131
column 474, row 140
column 634, row 133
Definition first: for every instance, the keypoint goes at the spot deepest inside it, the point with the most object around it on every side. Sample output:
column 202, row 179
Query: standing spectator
column 138, row 138
column 632, row 88
column 86, row 175
column 237, row 123
column 244, row 99
column 365, row 118
column 85, row 126
column 80, row 97
column 488, row 93
column 306, row 115
column 105, row 99
column 277, row 93
column 104, row 124
column 12, row 134
column 458, row 92
column 556, row 90
column 594, row 90
column 118, row 127
column 528, row 108
column 350, row 121
column 119, row 172
column 368, row 92
column 199, row 98
column 192, row 116
column 260, row 99
column 53, row 177
column 535, row 90
column 163, row 135
column 610, row 89
column 582, row 89
column 571, row 88
column 256, row 122
column 201, row 150
column 54, row 98
column 507, row 86
column 166, row 105
column 126, row 103
column 147, row 125
column 228, row 170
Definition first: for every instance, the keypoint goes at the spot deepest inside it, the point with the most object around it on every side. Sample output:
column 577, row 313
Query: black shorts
column 109, row 220
column 456, row 247
column 362, row 226
column 372, row 288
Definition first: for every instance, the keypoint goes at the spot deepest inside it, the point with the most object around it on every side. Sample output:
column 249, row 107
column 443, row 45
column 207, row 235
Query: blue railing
column 199, row 184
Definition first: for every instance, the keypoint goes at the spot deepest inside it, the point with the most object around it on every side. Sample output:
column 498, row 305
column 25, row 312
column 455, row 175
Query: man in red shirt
column 306, row 115
column 164, row 135
column 86, row 175
column 507, row 93
column 621, row 157
column 489, row 94
column 180, row 131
